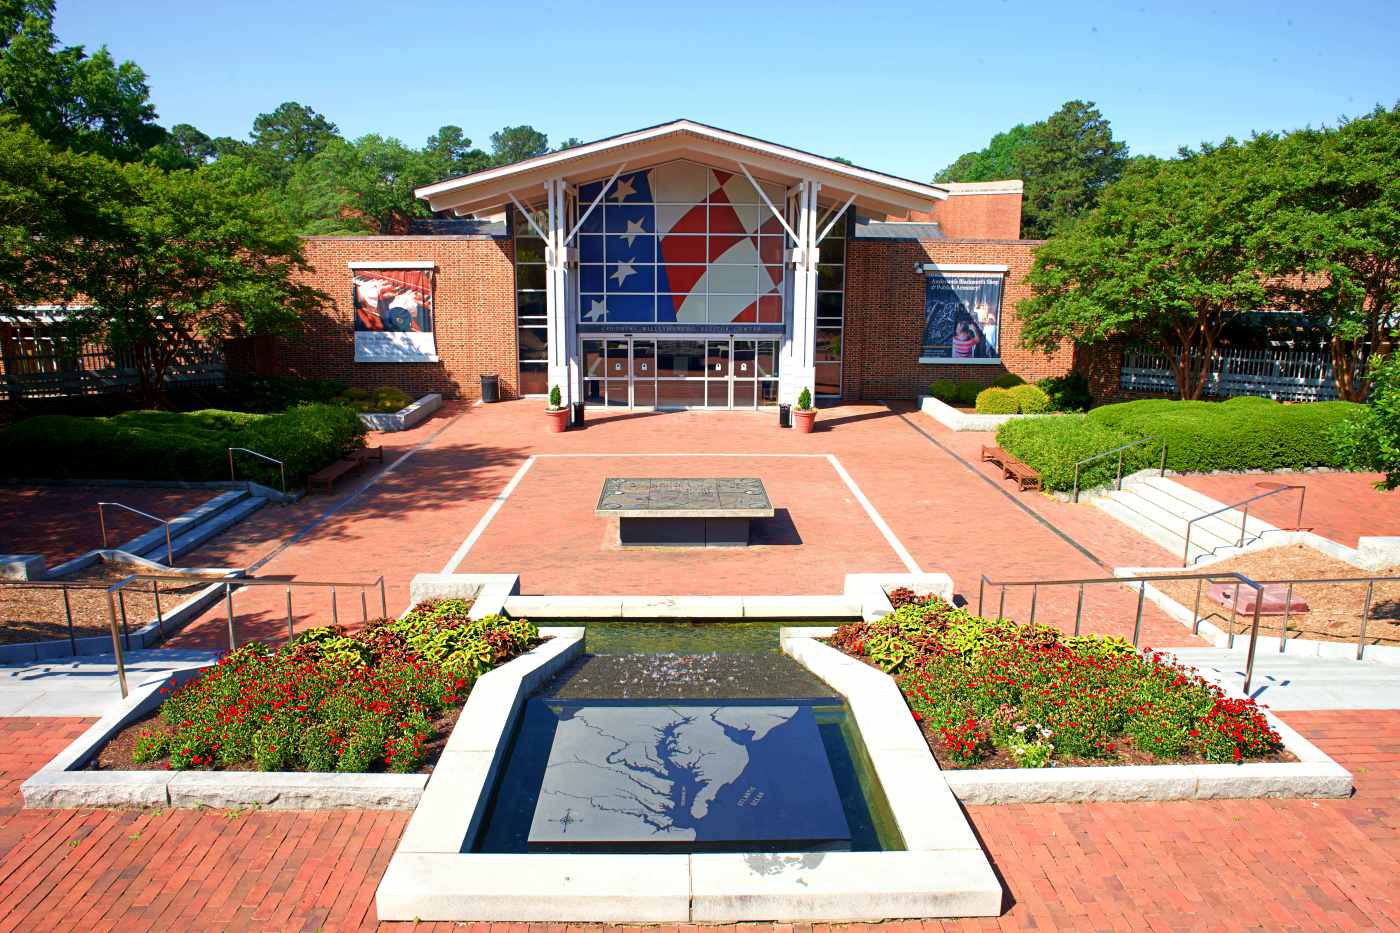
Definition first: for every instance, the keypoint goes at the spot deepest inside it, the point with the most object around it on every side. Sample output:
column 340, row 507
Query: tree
column 87, row 103
column 150, row 261
column 192, row 144
column 1065, row 160
column 515, row 143
column 1170, row 255
column 1371, row 440
column 449, row 153
column 289, row 135
column 357, row 187
column 996, row 162
column 1333, row 238
column 569, row 143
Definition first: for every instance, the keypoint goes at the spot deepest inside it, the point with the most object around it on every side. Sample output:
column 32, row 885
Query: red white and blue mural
column 680, row 244
column 393, row 315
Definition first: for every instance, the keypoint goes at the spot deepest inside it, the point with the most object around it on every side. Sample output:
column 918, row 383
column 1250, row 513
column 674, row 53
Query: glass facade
column 678, row 244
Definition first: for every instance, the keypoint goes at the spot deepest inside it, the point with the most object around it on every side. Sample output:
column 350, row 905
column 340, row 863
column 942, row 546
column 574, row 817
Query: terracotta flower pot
column 558, row 419
column 803, row 420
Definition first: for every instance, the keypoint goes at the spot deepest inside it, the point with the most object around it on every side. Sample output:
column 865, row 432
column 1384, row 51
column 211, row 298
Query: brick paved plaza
column 875, row 489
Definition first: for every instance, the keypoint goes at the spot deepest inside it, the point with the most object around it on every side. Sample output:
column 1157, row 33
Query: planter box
column 404, row 418
column 63, row 783
column 955, row 420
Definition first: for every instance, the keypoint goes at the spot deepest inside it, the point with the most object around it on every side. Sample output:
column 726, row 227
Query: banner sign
column 746, row 330
column 393, row 315
column 962, row 316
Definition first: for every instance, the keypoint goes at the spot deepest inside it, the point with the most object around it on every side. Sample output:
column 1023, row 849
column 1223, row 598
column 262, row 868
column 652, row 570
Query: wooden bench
column 995, row 455
column 327, row 475
column 1025, row 477
column 364, row 455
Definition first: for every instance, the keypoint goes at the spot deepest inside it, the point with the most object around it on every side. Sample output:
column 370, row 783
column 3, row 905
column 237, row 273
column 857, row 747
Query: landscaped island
column 378, row 699
column 991, row 693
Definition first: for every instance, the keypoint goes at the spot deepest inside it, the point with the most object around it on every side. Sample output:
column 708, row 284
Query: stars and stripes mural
column 680, row 243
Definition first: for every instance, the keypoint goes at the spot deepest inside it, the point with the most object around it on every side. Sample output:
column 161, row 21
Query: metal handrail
column 1201, row 579
column 1118, row 481
column 114, row 596
column 67, row 604
column 102, row 522
column 1278, row 488
column 246, row 450
column 1142, row 581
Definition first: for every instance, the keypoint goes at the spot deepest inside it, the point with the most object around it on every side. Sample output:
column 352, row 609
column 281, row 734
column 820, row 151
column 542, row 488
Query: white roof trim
column 1008, row 186
column 396, row 264
column 820, row 163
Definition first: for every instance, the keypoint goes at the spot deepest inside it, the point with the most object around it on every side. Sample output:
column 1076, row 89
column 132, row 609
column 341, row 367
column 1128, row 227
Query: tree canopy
column 1064, row 160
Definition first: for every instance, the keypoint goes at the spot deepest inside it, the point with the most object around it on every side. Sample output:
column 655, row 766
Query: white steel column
column 797, row 360
column 561, row 319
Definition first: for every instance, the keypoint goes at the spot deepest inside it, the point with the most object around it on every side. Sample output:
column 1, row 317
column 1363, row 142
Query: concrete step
column 1225, row 526
column 1152, row 530
column 1301, row 682
column 151, row 544
column 1211, row 534
column 202, row 531
column 87, row 685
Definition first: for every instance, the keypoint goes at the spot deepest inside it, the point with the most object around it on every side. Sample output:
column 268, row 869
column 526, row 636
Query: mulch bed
column 36, row 613
column 1335, row 609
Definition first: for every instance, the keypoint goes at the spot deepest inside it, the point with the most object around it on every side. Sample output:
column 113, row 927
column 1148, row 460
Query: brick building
column 679, row 265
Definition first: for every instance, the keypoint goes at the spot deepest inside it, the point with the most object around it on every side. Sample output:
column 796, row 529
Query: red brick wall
column 978, row 216
column 474, row 312
column 884, row 323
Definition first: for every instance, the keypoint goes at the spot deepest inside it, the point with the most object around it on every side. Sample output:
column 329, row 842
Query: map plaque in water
column 688, row 776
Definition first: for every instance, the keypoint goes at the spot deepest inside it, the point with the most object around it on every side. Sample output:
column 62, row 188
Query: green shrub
column 804, row 399
column 1069, row 392
column 945, row 390
column 1369, row 438
column 381, row 400
column 1239, row 434
column 996, row 401
column 192, row 446
column 1052, row 445
column 556, row 398
column 967, row 393
column 1030, row 400
column 1008, row 381
column 278, row 393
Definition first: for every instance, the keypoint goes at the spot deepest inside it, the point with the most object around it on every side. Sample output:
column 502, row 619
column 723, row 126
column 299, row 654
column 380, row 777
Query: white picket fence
column 1288, row 375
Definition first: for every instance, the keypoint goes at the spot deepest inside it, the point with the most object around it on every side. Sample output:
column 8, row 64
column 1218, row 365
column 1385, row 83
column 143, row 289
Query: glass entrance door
column 687, row 372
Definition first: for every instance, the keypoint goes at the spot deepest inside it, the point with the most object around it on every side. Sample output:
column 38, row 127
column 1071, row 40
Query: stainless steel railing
column 1141, row 581
column 114, row 599
column 102, row 522
column 1120, row 451
column 67, row 600
column 1275, row 490
column 282, row 467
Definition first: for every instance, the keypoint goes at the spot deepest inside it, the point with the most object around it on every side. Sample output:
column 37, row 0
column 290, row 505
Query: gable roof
column 874, row 191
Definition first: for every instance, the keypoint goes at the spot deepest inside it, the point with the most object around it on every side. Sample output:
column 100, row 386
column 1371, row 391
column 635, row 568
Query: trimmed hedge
column 1239, row 434
column 996, row 401
column 945, row 390
column 190, row 446
column 1069, row 392
column 1030, row 400
column 1008, row 381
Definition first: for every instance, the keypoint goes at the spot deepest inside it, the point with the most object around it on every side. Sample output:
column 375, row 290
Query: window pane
column 743, row 393
column 532, row 277
column 593, row 391
column 768, row 392
column 534, row 343
column 717, row 359
column 828, row 345
column 593, row 357
column 529, row 250
column 828, row 378
column 531, row 304
column 767, row 358
column 534, row 378
column 829, row 305
column 644, row 393
column 717, row 393
column 829, row 277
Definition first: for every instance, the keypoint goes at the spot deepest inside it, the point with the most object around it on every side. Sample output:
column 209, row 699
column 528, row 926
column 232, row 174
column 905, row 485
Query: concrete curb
column 488, row 591
column 60, row 784
column 404, row 418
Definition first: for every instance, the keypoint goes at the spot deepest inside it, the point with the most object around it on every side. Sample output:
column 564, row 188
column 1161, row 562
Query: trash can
column 490, row 387
column 578, row 414
column 784, row 416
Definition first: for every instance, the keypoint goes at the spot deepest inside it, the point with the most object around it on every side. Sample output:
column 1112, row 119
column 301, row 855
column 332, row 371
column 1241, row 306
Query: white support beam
column 834, row 218
column 596, row 201
column 762, row 194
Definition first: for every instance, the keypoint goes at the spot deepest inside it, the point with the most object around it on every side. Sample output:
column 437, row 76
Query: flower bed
column 378, row 699
column 991, row 693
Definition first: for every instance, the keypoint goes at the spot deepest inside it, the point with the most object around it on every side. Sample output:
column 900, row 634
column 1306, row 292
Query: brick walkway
column 1340, row 506
column 60, row 522
column 416, row 513
column 1219, row 865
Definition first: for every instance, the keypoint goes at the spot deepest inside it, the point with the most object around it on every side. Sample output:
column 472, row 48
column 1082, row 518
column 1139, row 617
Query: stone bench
column 684, row 512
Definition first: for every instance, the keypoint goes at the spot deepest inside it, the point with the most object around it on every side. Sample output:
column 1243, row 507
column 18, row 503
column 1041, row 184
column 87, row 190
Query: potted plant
column 804, row 415
column 558, row 414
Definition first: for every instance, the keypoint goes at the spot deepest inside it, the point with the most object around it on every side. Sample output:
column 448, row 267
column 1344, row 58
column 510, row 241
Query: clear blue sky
column 904, row 88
